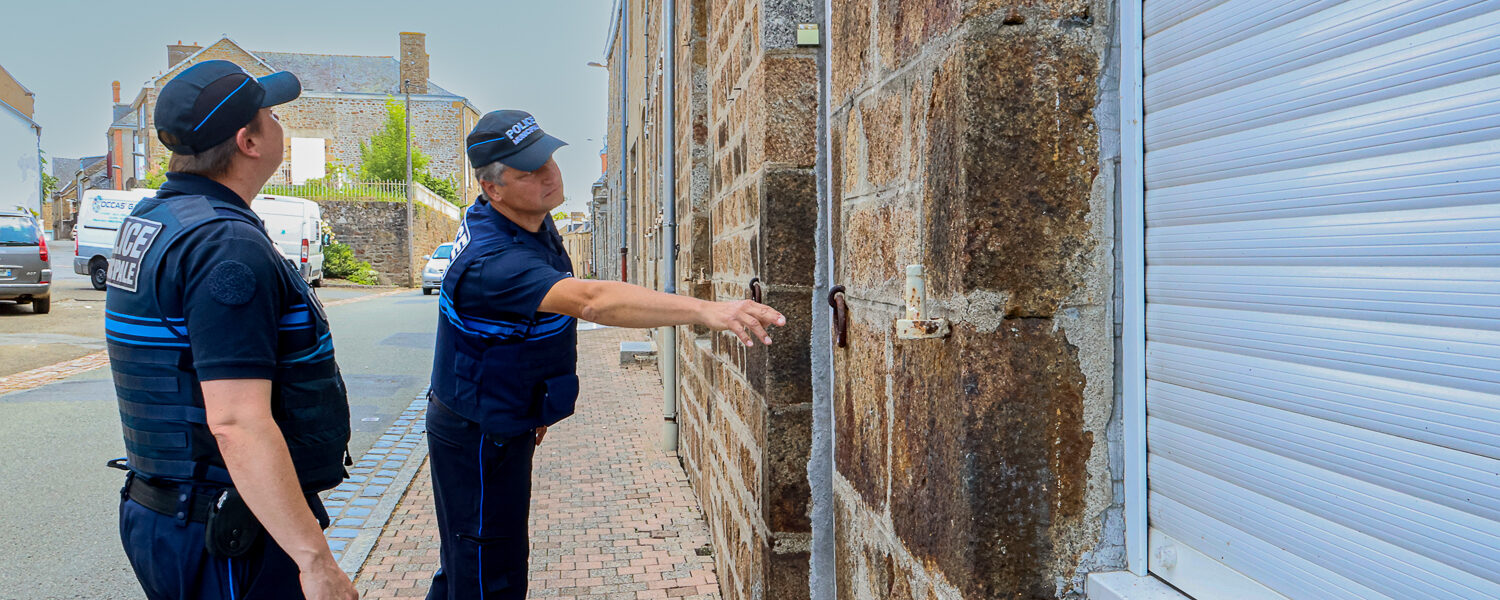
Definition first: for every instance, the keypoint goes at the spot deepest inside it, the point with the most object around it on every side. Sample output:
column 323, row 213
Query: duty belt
column 171, row 501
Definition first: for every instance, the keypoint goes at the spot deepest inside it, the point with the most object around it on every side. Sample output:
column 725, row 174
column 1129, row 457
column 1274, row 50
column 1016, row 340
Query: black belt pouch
column 232, row 530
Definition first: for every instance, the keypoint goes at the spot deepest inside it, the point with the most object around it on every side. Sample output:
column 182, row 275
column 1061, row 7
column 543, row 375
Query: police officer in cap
column 506, row 353
column 233, row 409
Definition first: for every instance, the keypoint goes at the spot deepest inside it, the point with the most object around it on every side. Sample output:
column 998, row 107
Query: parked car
column 99, row 218
column 25, row 273
column 437, row 264
column 296, row 226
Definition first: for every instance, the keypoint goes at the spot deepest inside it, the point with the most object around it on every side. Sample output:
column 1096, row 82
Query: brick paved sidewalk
column 612, row 517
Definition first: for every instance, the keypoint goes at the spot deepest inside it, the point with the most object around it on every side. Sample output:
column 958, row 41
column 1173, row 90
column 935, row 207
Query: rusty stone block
column 886, row 135
column 942, row 185
column 779, row 373
column 861, row 416
column 788, row 205
column 789, row 572
column 908, row 25
column 878, row 242
column 787, row 447
column 1024, row 152
column 989, row 454
column 849, row 141
column 849, row 32
column 791, row 109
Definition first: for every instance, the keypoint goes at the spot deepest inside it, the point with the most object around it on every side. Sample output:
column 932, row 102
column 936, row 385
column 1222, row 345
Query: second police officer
column 233, row 410
column 506, row 353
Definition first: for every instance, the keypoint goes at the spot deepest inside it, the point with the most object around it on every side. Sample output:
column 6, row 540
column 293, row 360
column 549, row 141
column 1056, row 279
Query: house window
column 309, row 159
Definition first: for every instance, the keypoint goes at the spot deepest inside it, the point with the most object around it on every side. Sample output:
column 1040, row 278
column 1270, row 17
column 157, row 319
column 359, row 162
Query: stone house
column 1209, row 291
column 578, row 239
column 342, row 105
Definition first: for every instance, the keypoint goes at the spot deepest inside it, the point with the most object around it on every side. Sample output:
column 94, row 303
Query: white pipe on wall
column 667, row 358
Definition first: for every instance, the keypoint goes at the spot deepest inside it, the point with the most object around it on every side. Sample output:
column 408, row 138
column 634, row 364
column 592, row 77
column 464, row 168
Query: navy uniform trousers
column 481, row 488
column 172, row 564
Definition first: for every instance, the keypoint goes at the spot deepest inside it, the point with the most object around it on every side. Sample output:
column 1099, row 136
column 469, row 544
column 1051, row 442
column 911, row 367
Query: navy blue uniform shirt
column 509, row 286
column 231, row 260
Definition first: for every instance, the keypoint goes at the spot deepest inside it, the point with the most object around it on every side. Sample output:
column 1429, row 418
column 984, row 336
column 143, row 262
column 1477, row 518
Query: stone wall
column 432, row 229
column 607, row 215
column 965, row 140
column 974, row 137
column 747, row 203
column 376, row 231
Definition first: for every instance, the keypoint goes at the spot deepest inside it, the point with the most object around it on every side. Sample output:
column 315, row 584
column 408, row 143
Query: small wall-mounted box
column 808, row 35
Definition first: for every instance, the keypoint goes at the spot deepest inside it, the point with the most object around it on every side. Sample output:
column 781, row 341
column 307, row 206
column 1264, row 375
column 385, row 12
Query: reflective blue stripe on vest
column 159, row 397
column 507, row 375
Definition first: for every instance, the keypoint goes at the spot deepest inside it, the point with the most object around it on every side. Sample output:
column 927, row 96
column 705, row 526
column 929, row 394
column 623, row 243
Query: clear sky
column 528, row 55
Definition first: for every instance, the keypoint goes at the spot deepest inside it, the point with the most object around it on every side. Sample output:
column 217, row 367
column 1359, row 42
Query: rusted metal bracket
column 917, row 325
column 755, row 292
column 840, row 316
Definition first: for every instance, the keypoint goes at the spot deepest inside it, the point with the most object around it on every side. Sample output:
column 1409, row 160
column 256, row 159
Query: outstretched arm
column 624, row 305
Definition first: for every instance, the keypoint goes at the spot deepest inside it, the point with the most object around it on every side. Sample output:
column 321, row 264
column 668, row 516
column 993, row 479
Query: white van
column 296, row 225
column 99, row 218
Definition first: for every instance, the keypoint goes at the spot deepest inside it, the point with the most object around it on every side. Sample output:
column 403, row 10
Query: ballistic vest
column 508, row 375
column 161, row 403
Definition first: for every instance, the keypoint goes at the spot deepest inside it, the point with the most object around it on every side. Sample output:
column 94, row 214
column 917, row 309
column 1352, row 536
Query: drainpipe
column 667, row 358
column 822, row 579
column 624, row 144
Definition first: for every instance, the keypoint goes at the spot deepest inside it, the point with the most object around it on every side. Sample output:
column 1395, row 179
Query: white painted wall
column 20, row 163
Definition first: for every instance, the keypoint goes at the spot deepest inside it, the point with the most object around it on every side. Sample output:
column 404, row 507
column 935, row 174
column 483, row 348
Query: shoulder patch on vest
column 131, row 243
column 231, row 283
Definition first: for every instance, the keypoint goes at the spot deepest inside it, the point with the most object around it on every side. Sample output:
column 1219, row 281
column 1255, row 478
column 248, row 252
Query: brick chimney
column 413, row 62
column 177, row 52
column 116, row 87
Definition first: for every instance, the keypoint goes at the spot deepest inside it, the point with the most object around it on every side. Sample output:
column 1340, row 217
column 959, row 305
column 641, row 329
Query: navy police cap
column 210, row 101
column 512, row 138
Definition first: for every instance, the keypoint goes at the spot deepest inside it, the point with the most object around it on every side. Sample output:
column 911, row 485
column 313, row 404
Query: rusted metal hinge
column 755, row 291
column 840, row 316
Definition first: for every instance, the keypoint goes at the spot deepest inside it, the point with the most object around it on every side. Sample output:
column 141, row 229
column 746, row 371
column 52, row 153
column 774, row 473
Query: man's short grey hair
column 490, row 172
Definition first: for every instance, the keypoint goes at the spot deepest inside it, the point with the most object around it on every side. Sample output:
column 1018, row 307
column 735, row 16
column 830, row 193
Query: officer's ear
column 249, row 138
column 491, row 190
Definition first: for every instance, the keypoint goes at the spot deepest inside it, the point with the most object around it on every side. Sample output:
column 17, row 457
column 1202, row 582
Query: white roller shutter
column 1323, row 297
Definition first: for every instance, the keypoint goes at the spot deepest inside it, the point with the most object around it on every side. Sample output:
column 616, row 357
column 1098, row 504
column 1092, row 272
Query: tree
column 560, row 216
column 49, row 183
column 384, row 157
column 156, row 177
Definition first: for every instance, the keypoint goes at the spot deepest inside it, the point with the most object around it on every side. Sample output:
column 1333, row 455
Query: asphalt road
column 74, row 328
column 59, row 503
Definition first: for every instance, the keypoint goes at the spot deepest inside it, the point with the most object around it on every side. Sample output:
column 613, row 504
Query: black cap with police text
column 212, row 100
column 512, row 138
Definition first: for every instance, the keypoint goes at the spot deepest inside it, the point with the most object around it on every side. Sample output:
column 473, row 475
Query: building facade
column 20, row 148
column 343, row 104
column 1085, row 298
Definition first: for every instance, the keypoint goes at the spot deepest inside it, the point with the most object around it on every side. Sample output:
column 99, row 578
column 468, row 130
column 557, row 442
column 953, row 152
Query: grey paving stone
column 374, row 490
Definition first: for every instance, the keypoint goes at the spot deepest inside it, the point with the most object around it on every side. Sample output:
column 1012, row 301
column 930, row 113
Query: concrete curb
column 362, row 506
